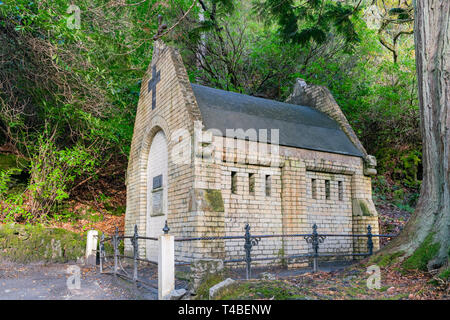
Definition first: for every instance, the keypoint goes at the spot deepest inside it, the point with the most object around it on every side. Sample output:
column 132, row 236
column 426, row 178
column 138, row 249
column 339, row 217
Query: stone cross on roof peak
column 156, row 77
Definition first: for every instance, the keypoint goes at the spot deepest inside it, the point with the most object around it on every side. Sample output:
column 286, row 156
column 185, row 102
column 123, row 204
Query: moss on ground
column 277, row 289
column 27, row 243
column 400, row 296
column 209, row 281
column 358, row 289
column 384, row 260
column 423, row 254
column 445, row 275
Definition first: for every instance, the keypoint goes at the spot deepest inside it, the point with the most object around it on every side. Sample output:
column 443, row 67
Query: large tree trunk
column 432, row 215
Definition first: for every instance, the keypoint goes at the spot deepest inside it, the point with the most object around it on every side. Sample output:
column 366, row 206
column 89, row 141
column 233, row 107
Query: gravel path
column 39, row 281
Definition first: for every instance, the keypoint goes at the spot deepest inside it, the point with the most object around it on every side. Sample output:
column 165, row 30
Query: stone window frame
column 327, row 189
column 234, row 182
column 340, row 190
column 251, row 183
column 268, row 185
column 314, row 188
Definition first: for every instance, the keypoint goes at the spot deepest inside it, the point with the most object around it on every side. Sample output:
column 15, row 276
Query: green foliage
column 13, row 172
column 310, row 21
column 403, row 168
column 445, row 275
column 406, row 207
column 411, row 163
column 78, row 86
column 423, row 254
column 14, row 209
column 102, row 99
column 81, row 87
column 5, row 180
column 401, row 13
column 380, row 187
column 111, row 208
column 54, row 171
column 11, row 190
column 399, row 194
column 378, row 96
column 12, row 162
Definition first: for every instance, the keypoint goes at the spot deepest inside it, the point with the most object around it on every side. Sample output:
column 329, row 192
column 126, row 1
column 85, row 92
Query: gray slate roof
column 299, row 126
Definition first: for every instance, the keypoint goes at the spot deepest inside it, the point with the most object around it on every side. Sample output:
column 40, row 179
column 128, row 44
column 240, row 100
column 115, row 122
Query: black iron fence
column 112, row 263
column 315, row 239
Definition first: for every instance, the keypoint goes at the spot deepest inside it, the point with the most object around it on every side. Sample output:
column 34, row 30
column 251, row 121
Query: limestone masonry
column 209, row 161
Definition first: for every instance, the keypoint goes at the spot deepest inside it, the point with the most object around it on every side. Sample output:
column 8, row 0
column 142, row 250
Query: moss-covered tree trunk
column 430, row 224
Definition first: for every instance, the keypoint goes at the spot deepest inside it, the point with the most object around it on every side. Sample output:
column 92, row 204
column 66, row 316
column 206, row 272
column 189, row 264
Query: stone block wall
column 290, row 209
column 333, row 215
column 261, row 211
column 294, row 205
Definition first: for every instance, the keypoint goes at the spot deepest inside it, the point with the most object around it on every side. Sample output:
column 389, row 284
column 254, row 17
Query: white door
column 156, row 192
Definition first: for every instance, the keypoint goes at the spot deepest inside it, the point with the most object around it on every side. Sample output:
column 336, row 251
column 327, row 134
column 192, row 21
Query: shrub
column 53, row 173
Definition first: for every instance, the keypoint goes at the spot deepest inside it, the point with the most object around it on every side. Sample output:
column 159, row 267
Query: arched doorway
column 157, row 185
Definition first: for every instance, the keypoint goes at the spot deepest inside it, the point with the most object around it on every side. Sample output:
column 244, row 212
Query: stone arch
column 157, row 125
column 157, row 191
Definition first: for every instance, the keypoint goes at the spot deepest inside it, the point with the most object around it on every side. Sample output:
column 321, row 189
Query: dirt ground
column 346, row 283
column 39, row 281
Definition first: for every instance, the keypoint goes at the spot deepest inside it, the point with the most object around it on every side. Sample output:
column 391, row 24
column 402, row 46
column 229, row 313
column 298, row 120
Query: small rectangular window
column 224, row 151
column 314, row 188
column 233, row 181
column 340, row 190
column 268, row 185
column 251, row 183
column 327, row 189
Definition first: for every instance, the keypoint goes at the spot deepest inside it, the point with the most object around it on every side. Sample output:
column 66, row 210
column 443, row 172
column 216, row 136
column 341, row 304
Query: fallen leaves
column 351, row 283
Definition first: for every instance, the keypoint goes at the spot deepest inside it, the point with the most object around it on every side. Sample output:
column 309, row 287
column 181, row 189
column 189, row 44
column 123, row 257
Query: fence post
column 315, row 245
column 248, row 250
column 101, row 248
column 91, row 246
column 166, row 263
column 135, row 252
column 116, row 249
column 369, row 240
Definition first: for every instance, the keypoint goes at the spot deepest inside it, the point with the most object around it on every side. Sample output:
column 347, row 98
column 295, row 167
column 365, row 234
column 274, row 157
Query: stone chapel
column 209, row 161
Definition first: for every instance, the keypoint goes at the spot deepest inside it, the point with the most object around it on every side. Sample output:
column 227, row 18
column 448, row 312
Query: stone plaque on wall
column 157, row 203
column 157, row 182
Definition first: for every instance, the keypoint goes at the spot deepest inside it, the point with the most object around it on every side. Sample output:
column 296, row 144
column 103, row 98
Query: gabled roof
column 299, row 126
